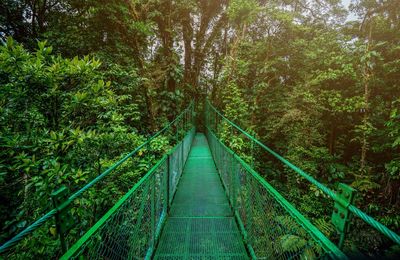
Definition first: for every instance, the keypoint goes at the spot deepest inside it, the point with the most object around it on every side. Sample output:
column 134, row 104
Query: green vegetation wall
column 82, row 82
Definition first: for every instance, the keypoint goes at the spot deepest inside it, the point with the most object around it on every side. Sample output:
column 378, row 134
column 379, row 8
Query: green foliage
column 63, row 124
column 242, row 11
column 320, row 91
column 323, row 96
column 393, row 166
column 236, row 108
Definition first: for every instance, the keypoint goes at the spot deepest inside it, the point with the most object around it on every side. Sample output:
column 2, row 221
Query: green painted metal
column 341, row 214
column 272, row 228
column 215, row 120
column 185, row 119
column 64, row 219
column 201, row 224
column 131, row 228
column 202, row 201
column 211, row 215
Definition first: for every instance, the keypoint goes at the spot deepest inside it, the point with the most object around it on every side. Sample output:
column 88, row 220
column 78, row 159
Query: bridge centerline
column 201, row 222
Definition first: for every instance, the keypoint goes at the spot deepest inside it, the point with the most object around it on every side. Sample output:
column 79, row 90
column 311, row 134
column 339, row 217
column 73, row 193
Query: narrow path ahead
column 201, row 223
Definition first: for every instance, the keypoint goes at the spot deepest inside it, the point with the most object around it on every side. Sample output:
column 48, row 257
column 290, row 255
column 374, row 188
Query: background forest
column 84, row 81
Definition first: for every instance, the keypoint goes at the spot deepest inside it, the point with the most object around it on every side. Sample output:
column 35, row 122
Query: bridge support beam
column 64, row 219
column 341, row 215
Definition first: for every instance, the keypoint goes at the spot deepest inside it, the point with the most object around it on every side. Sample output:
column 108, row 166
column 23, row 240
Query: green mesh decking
column 201, row 224
column 203, row 201
column 187, row 209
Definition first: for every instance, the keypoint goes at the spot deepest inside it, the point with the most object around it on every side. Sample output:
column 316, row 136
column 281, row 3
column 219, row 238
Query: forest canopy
column 84, row 81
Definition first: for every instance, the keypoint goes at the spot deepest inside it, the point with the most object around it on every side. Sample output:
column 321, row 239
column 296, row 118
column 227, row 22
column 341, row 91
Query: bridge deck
column 200, row 223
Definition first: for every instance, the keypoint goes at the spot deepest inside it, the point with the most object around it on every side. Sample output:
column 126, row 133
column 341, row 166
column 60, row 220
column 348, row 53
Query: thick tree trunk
column 212, row 18
column 367, row 75
column 187, row 32
column 165, row 31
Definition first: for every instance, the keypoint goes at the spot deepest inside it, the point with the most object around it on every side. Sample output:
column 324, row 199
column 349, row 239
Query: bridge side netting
column 131, row 228
column 177, row 161
column 271, row 227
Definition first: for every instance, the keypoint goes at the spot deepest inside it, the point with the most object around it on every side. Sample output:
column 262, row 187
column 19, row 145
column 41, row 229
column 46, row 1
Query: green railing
column 270, row 225
column 342, row 207
column 131, row 228
column 272, row 228
column 70, row 225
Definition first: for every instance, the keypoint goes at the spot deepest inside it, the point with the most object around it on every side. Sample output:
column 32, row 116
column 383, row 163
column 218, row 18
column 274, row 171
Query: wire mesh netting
column 104, row 177
column 312, row 188
column 200, row 190
column 131, row 228
column 201, row 238
column 271, row 226
column 200, row 223
column 177, row 160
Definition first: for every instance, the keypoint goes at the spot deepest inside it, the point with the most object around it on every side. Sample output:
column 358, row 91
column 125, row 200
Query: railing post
column 234, row 177
column 215, row 118
column 152, row 211
column 64, row 219
column 192, row 114
column 184, row 122
column 181, row 127
column 232, row 172
column 252, row 154
column 341, row 215
column 167, row 183
column 182, row 155
column 176, row 131
column 207, row 114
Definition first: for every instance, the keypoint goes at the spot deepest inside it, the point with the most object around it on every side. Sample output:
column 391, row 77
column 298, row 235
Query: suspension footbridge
column 201, row 200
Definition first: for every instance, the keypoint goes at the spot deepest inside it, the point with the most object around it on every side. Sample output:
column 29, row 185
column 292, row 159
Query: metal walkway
column 183, row 208
column 201, row 223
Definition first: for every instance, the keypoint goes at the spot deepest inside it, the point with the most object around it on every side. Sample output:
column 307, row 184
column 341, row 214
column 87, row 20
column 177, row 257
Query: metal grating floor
column 200, row 223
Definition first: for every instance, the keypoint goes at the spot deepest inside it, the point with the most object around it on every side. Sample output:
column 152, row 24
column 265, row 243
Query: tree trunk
column 332, row 138
column 187, row 32
column 367, row 75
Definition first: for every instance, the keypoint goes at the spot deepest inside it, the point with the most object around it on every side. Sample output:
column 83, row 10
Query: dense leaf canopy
column 84, row 81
